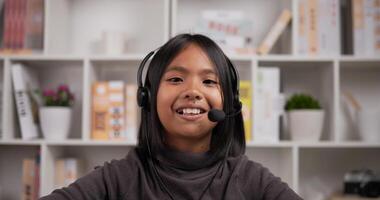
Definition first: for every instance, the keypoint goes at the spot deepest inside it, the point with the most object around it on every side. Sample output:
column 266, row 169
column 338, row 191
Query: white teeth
column 191, row 111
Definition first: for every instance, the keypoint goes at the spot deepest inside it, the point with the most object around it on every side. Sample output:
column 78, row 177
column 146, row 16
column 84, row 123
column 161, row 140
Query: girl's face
column 188, row 89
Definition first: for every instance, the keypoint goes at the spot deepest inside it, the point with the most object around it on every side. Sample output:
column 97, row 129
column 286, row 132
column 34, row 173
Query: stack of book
column 318, row 29
column 23, row 26
column 114, row 111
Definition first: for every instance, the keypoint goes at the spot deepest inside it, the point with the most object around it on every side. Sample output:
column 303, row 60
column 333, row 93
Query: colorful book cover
column 100, row 107
column 246, row 100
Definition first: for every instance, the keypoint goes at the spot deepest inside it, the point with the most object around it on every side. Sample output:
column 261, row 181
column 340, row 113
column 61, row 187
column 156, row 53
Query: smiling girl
column 187, row 148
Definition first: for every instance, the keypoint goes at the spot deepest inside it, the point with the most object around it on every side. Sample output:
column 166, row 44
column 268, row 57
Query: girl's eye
column 210, row 82
column 175, row 80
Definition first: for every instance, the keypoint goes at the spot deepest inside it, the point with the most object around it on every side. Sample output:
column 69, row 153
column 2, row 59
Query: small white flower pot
column 305, row 125
column 55, row 122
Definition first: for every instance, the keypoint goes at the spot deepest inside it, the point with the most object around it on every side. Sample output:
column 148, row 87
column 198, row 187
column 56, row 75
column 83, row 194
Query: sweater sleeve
column 96, row 185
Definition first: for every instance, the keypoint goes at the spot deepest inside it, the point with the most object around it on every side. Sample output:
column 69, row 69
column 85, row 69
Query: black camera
column 362, row 182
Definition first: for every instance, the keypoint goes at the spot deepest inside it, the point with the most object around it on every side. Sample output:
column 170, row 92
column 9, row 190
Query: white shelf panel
column 327, row 145
column 360, row 59
column 282, row 144
column 124, row 57
column 90, row 143
column 21, row 142
column 47, row 57
column 292, row 58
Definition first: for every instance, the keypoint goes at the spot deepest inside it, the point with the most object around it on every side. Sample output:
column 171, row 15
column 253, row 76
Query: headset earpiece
column 143, row 97
column 143, row 94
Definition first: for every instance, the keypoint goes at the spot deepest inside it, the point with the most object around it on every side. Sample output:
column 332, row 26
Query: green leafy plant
column 301, row 101
column 60, row 97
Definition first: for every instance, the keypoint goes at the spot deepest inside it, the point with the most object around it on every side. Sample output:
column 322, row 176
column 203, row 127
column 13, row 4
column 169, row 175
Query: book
column 267, row 111
column 246, row 100
column 358, row 27
column 67, row 171
column 328, row 27
column 377, row 27
column 28, row 179
column 131, row 110
column 274, row 33
column 346, row 27
column 302, row 27
column 34, row 25
column 99, row 111
column 25, row 82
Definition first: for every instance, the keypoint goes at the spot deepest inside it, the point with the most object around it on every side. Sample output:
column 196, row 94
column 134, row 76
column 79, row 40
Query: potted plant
column 305, row 117
column 56, row 112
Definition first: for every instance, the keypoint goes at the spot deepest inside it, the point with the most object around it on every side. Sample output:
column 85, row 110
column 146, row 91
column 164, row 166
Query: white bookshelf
column 71, row 27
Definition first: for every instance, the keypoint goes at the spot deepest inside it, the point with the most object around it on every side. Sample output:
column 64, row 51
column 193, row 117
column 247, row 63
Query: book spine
column 369, row 24
column 28, row 175
column 100, row 106
column 8, row 24
column 36, row 182
column 358, row 26
column 116, row 110
column 328, row 27
column 275, row 32
column 246, row 100
column 302, row 28
column 59, row 178
column 346, row 24
column 131, row 110
column 312, row 12
column 34, row 25
column 377, row 27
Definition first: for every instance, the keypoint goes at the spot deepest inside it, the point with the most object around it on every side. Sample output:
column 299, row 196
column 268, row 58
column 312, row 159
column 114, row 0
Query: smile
column 190, row 111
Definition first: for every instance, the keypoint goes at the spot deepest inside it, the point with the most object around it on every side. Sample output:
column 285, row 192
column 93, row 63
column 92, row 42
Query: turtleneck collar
column 185, row 160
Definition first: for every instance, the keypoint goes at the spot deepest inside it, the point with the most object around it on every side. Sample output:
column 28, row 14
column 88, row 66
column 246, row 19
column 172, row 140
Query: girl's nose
column 193, row 95
column 192, row 92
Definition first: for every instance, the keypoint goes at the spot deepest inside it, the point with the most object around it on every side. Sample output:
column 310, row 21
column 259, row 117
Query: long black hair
column 229, row 131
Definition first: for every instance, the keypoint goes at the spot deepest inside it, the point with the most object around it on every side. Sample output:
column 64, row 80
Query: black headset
column 143, row 94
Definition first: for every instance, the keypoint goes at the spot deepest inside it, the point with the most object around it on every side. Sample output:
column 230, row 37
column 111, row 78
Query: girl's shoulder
column 130, row 161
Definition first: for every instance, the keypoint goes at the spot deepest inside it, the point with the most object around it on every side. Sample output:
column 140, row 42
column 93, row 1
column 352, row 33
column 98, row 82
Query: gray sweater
column 185, row 176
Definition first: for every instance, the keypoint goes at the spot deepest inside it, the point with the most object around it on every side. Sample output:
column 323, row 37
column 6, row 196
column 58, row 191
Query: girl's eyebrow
column 184, row 70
